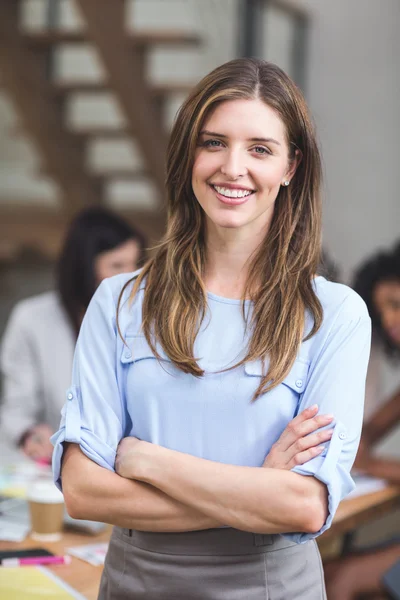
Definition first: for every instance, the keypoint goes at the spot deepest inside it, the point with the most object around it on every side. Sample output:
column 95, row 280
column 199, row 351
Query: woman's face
column 386, row 298
column 122, row 259
column 241, row 161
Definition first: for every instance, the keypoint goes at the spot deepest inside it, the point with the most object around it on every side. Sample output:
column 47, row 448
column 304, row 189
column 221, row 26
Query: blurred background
column 89, row 90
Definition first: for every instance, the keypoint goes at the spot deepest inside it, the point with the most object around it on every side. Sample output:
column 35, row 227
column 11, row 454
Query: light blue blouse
column 120, row 389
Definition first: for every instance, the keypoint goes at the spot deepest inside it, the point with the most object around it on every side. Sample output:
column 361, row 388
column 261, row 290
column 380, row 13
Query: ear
column 293, row 164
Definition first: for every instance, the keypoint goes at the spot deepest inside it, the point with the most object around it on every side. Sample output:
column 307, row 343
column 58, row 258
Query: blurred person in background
column 39, row 340
column 378, row 283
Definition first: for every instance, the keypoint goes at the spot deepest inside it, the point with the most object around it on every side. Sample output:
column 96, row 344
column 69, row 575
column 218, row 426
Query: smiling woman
column 200, row 404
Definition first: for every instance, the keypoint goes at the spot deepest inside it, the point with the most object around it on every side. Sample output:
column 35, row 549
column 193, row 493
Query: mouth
column 232, row 195
column 394, row 333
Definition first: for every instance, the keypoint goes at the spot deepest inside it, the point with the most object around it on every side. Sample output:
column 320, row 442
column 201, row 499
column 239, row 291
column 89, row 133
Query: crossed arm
column 94, row 493
column 156, row 489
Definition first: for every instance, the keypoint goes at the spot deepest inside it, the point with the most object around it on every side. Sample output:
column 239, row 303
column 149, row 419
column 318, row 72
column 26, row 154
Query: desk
column 355, row 512
column 80, row 575
column 85, row 578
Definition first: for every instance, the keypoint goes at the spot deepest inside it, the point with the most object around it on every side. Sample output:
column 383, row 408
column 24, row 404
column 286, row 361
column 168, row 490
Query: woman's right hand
column 300, row 441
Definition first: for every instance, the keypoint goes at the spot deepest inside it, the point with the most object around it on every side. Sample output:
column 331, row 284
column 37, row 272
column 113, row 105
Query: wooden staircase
column 41, row 99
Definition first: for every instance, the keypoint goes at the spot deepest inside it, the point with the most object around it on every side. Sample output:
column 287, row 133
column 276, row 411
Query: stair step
column 111, row 174
column 102, row 132
column 120, row 174
column 62, row 88
column 83, row 132
column 140, row 39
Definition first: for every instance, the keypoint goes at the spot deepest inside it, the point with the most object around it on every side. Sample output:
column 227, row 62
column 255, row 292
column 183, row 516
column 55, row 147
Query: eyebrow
column 255, row 139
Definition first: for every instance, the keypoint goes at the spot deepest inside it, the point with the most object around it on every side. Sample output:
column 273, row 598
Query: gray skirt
column 216, row 564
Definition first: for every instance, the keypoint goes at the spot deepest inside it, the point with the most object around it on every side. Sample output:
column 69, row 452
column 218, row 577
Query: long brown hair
column 280, row 280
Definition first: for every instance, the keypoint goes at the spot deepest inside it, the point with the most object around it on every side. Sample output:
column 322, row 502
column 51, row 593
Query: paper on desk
column 12, row 531
column 34, row 583
column 14, row 519
column 366, row 485
column 94, row 554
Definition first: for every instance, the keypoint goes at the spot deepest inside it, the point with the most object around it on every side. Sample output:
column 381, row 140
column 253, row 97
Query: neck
column 229, row 254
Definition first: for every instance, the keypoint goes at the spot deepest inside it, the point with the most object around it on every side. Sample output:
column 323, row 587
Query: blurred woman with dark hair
column 378, row 283
column 38, row 344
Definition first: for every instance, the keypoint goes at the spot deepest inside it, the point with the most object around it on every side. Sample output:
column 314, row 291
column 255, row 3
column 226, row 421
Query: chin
column 229, row 223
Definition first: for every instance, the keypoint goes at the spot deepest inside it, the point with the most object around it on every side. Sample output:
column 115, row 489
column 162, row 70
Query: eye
column 261, row 150
column 212, row 144
column 395, row 304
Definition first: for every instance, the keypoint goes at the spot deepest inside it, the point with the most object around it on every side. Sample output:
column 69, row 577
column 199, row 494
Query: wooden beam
column 24, row 76
column 140, row 40
column 61, row 88
column 43, row 229
column 110, row 173
column 105, row 27
column 84, row 133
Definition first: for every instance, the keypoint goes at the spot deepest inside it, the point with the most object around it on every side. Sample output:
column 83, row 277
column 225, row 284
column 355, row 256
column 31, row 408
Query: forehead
column 126, row 248
column 246, row 119
column 386, row 291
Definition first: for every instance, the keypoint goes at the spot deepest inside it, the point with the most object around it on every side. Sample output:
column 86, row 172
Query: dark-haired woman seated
column 38, row 344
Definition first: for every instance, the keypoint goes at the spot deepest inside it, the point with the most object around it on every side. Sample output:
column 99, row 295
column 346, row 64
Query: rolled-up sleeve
column 337, row 384
column 93, row 415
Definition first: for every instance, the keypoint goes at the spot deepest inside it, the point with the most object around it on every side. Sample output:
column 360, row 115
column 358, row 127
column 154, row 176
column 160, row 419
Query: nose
column 234, row 164
column 390, row 318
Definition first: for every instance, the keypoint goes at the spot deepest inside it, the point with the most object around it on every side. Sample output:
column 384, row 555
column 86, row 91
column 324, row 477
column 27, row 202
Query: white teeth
column 232, row 193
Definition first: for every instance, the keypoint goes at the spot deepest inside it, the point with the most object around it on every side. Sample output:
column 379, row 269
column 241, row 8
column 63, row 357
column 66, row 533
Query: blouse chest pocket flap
column 296, row 379
column 137, row 348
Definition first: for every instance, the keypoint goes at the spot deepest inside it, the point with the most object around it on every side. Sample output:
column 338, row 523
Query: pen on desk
column 36, row 560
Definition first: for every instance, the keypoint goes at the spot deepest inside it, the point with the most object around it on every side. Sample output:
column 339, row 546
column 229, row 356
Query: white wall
column 354, row 92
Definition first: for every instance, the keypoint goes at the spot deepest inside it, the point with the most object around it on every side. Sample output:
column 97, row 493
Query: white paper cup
column 46, row 507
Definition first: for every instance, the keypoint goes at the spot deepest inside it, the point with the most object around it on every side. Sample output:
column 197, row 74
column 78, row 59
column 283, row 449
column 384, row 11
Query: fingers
column 301, row 441
column 311, row 441
column 302, row 457
column 313, row 424
column 305, row 423
column 290, row 432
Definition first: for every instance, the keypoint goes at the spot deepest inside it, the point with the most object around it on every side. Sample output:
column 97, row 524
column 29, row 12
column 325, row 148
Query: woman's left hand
column 132, row 456
column 301, row 441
